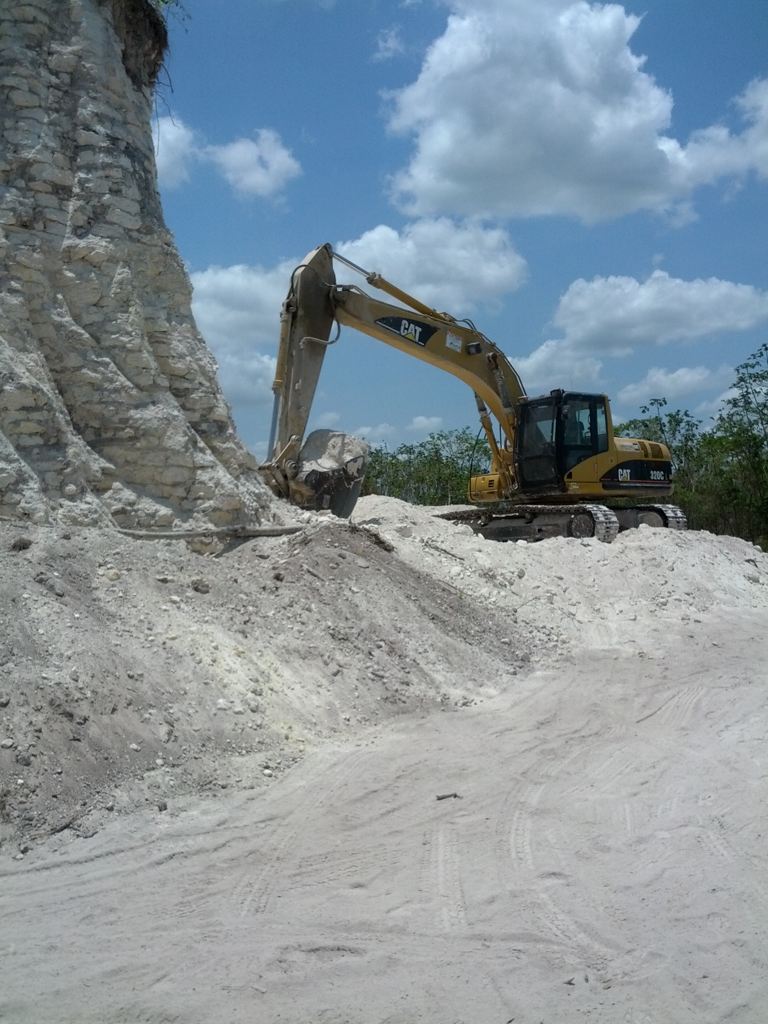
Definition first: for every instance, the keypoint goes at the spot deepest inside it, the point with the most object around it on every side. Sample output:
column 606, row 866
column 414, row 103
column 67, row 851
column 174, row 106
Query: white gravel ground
column 220, row 776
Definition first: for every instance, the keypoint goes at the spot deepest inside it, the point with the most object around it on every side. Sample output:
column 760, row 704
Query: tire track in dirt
column 716, row 841
column 447, row 875
column 357, row 867
column 526, row 858
column 255, row 888
column 678, row 712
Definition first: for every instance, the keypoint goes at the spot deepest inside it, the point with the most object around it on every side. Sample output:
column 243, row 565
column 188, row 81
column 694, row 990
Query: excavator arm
column 326, row 470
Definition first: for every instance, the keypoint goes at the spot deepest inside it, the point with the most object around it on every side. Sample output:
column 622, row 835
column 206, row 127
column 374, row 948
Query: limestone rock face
column 109, row 403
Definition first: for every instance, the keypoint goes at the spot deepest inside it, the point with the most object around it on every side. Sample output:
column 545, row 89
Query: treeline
column 721, row 471
column 431, row 472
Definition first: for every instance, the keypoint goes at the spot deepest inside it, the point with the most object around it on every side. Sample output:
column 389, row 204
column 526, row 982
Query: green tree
column 435, row 471
column 721, row 474
column 742, row 428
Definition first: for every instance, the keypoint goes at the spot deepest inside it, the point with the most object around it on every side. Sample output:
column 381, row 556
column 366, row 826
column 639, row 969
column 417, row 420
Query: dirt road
column 602, row 859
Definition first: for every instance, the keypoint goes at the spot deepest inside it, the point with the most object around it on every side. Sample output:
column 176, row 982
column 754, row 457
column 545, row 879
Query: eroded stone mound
column 109, row 403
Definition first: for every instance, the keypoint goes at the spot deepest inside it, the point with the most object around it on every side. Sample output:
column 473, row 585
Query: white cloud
column 175, row 149
column 425, row 424
column 673, row 384
column 556, row 364
column 449, row 265
column 616, row 314
column 238, row 311
column 240, row 305
column 389, row 44
column 260, row 167
column 527, row 108
column 716, row 152
column 377, row 433
column 246, row 377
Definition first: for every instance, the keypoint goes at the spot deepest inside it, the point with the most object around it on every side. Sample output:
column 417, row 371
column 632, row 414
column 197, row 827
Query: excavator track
column 669, row 516
column 537, row 522
column 606, row 523
column 674, row 517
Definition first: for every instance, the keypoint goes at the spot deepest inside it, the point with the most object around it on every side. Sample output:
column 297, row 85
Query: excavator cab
column 556, row 433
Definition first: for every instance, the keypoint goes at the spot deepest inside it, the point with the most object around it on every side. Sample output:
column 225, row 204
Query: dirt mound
column 133, row 671
column 580, row 593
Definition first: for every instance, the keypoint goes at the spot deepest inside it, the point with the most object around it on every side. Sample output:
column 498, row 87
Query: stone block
column 176, row 475
column 52, row 174
column 107, row 231
column 34, row 13
column 23, row 98
column 25, row 441
column 14, row 81
column 53, row 216
column 129, row 206
column 125, row 220
column 12, row 399
column 45, row 201
column 31, row 427
column 136, row 361
column 162, row 490
column 63, row 62
column 31, row 114
column 90, row 315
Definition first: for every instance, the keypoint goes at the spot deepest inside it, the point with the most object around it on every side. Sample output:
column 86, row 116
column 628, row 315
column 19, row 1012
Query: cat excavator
column 557, row 468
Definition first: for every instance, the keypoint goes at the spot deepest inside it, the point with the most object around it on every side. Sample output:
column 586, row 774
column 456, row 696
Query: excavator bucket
column 331, row 468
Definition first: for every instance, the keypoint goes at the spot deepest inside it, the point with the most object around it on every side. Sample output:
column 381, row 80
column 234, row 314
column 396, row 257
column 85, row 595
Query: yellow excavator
column 556, row 469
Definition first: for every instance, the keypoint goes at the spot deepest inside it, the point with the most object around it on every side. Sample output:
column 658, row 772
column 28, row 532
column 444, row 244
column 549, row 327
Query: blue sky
column 588, row 182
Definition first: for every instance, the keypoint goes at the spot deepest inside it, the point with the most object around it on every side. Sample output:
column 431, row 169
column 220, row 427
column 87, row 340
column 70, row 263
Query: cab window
column 585, row 429
column 576, row 428
column 539, row 432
